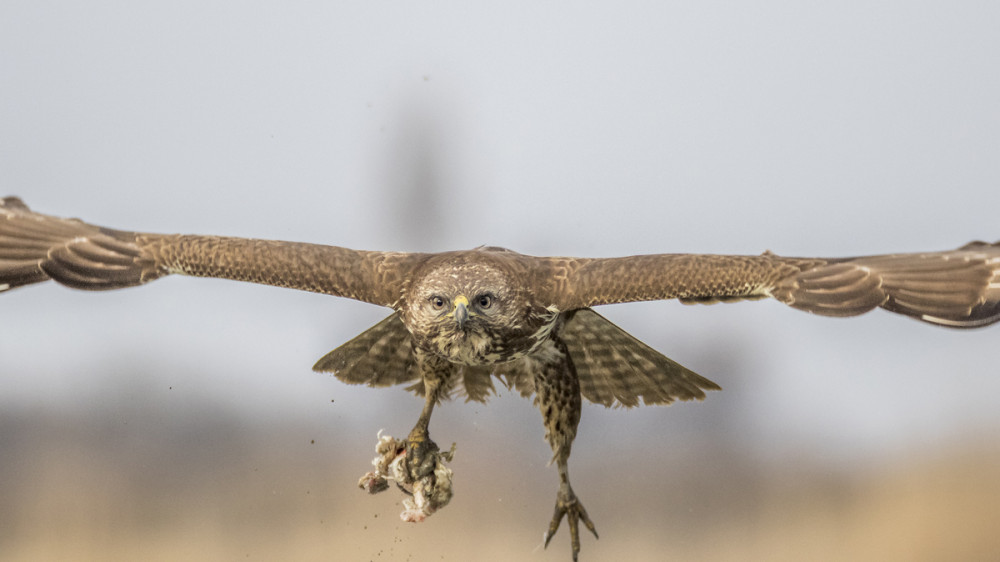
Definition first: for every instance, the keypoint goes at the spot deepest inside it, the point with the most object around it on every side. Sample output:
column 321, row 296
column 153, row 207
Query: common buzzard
column 462, row 318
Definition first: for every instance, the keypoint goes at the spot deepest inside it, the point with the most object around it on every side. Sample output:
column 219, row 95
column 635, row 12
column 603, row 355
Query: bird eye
column 437, row 302
column 485, row 301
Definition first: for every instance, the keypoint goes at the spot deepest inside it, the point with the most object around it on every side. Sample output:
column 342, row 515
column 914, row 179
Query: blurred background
column 182, row 419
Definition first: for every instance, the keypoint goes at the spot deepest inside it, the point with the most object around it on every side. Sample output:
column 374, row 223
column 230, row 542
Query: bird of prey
column 462, row 318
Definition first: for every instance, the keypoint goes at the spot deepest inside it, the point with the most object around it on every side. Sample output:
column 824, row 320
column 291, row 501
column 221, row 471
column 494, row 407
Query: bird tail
column 36, row 247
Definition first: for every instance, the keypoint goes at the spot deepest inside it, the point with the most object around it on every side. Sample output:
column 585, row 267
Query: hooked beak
column 461, row 312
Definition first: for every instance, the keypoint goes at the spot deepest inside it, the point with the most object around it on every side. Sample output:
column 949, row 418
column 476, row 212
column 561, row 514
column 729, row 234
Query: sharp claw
column 586, row 521
column 554, row 525
column 574, row 512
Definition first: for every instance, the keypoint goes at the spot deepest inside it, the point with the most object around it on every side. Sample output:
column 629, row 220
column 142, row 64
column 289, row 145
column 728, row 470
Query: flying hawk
column 461, row 318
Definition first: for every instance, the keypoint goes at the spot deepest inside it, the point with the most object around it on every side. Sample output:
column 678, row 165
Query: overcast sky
column 551, row 128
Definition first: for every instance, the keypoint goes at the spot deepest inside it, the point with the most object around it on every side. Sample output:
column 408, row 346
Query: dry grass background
column 157, row 483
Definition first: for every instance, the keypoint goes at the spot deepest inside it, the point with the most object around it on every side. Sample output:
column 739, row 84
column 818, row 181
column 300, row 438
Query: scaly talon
column 421, row 455
column 568, row 506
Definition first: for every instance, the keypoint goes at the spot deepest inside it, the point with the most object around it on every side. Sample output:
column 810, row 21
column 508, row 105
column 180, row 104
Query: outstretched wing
column 36, row 247
column 958, row 288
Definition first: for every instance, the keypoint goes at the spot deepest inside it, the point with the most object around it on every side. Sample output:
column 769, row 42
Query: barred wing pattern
column 36, row 247
column 379, row 356
column 616, row 369
column 958, row 288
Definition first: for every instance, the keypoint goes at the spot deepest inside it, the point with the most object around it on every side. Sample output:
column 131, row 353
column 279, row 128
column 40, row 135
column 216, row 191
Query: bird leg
column 558, row 397
column 416, row 464
column 570, row 507
column 420, row 449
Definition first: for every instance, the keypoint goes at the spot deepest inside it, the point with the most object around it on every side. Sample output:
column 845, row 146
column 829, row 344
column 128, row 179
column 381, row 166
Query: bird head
column 460, row 307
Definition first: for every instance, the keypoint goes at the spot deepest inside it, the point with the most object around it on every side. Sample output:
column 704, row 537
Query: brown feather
column 84, row 256
column 958, row 288
column 616, row 369
column 382, row 356
column 587, row 282
column 379, row 356
column 476, row 382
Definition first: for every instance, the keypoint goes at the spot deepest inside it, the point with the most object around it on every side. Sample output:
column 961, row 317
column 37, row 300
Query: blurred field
column 154, row 484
